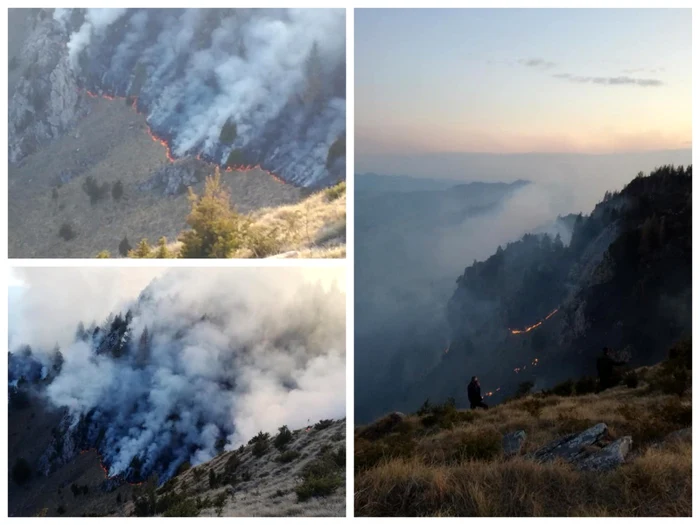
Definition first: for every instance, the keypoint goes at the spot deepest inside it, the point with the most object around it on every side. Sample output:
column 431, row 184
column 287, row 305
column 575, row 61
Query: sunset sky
column 516, row 81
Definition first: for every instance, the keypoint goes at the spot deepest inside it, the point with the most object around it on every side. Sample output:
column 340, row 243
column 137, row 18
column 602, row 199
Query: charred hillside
column 298, row 472
column 542, row 309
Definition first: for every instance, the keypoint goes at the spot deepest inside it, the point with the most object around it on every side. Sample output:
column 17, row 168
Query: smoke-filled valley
column 184, row 368
column 149, row 102
column 547, row 289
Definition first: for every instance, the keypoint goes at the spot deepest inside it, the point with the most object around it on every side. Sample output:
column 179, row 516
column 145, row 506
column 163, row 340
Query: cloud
column 610, row 81
column 537, row 63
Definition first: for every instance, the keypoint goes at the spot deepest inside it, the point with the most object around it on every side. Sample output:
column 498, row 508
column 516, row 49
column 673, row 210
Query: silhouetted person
column 607, row 375
column 474, row 394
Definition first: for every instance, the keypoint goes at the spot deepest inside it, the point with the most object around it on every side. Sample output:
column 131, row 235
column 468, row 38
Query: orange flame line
column 536, row 325
column 105, row 469
column 168, row 150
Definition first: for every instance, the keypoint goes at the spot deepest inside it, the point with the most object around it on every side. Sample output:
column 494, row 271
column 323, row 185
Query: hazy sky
column 513, row 81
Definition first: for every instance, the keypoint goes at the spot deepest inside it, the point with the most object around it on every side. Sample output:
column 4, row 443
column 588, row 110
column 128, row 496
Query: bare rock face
column 513, row 443
column 63, row 448
column 173, row 179
column 609, row 457
column 570, row 447
column 46, row 101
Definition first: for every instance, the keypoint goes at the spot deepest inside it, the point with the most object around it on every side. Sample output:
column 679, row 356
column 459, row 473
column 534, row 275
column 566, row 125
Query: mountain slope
column 540, row 310
column 256, row 486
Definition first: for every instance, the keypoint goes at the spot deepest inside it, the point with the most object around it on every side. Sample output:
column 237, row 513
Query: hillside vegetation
column 442, row 461
column 291, row 473
column 314, row 227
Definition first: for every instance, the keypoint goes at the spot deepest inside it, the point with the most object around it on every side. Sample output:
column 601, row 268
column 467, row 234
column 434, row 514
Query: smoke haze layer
column 240, row 87
column 200, row 361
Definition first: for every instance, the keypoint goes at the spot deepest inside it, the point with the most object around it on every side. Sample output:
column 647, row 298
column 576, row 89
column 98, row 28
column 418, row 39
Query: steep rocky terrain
column 82, row 118
column 541, row 310
column 277, row 483
column 263, row 87
column 412, row 237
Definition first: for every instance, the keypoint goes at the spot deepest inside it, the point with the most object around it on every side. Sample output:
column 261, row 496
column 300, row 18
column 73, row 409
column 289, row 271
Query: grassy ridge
column 449, row 462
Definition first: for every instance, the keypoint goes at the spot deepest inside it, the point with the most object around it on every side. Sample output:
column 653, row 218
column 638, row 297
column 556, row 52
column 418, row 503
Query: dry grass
column 415, row 469
column 312, row 228
column 270, row 491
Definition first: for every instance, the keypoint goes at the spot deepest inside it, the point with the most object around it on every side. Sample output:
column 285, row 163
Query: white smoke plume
column 278, row 74
column 205, row 359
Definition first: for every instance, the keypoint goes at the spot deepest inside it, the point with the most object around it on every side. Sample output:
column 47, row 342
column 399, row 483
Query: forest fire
column 105, row 469
column 163, row 142
column 168, row 150
column 536, row 325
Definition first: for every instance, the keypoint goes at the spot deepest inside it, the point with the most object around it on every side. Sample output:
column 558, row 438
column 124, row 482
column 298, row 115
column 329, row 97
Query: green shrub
column 320, row 478
column 124, row 247
column 216, row 230
column 288, row 456
column 260, row 443
column 318, row 487
column 564, row 389
column 143, row 506
column 220, row 499
column 336, row 150
column 324, row 423
column 66, row 232
column 631, row 379
column 369, row 454
column 524, row 389
column 335, row 192
column 186, row 508
column 283, row 438
column 229, row 132
column 95, row 191
column 482, row 445
column 339, row 457
column 235, row 159
column 585, row 385
column 444, row 416
column 117, row 190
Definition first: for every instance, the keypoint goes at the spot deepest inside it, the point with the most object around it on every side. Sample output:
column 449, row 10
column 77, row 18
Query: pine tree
column 124, row 247
column 216, row 229
column 142, row 251
column 162, row 250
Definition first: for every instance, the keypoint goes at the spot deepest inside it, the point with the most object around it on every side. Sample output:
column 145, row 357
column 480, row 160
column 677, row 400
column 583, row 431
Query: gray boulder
column 513, row 443
column 570, row 447
column 608, row 457
column 684, row 434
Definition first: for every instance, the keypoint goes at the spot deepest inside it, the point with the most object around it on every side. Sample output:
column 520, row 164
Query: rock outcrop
column 173, row 179
column 569, row 448
column 609, row 457
column 47, row 100
column 587, row 450
column 513, row 443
